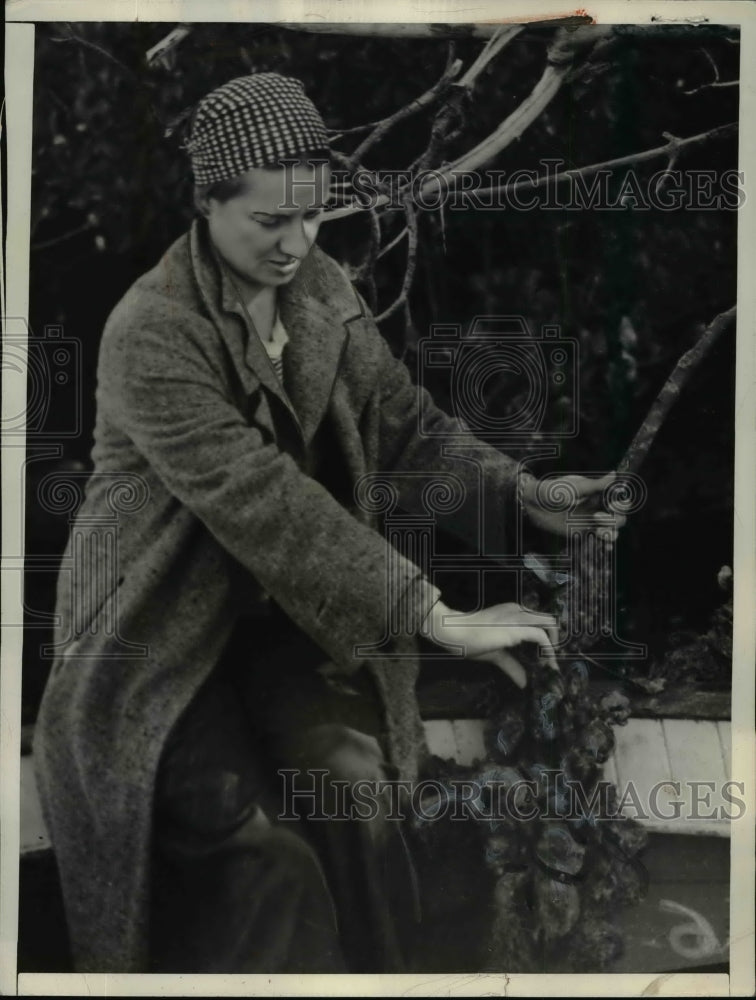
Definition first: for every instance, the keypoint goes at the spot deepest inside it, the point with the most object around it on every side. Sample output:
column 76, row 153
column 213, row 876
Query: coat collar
column 316, row 307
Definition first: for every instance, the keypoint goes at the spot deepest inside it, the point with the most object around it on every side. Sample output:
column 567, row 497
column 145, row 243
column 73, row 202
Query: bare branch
column 712, row 86
column 579, row 611
column 670, row 149
column 166, row 47
column 428, row 30
column 334, row 134
column 431, row 95
column 447, row 124
column 44, row 244
column 365, row 268
column 671, row 389
column 409, row 273
column 93, row 47
column 490, row 50
column 716, row 82
column 390, row 246
column 674, row 141
column 561, row 54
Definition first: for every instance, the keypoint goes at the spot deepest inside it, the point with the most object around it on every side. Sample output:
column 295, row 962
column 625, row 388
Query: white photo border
column 19, row 68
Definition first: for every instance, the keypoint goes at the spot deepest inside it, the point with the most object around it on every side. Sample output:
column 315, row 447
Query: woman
column 243, row 391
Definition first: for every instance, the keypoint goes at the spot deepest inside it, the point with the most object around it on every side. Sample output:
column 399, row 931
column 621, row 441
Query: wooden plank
column 439, row 735
column 725, row 738
column 649, row 755
column 641, row 761
column 695, row 754
column 468, row 735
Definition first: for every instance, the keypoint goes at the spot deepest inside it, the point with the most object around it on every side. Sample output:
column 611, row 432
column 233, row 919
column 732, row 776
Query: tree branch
column 501, row 38
column 561, row 57
column 93, row 47
column 716, row 82
column 165, row 48
column 671, row 389
column 431, row 95
column 409, row 273
column 670, row 149
column 448, row 122
column 428, row 30
column 55, row 240
column 579, row 611
column 390, row 246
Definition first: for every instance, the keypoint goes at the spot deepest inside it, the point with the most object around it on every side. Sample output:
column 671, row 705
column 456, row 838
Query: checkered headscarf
column 252, row 121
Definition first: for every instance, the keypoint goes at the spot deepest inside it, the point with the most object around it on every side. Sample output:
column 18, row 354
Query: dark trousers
column 236, row 888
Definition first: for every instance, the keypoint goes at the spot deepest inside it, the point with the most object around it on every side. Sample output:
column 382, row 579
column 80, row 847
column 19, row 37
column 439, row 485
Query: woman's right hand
column 490, row 633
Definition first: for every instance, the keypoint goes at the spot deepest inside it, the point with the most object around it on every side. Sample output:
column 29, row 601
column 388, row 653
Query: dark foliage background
column 110, row 192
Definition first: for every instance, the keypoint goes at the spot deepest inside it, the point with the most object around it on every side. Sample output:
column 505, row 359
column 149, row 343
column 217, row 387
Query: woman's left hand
column 584, row 490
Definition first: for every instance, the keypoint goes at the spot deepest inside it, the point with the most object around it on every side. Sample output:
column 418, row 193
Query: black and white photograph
column 378, row 502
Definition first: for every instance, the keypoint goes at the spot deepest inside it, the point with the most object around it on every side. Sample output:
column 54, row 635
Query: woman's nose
column 294, row 241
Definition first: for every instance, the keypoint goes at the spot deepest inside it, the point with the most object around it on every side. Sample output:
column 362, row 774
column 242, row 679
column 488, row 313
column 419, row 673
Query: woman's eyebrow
column 276, row 215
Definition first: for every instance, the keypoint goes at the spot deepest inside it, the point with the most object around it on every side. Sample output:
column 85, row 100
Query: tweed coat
column 223, row 511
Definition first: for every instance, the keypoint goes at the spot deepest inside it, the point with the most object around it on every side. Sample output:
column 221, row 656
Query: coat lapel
column 316, row 309
column 251, row 367
column 318, row 336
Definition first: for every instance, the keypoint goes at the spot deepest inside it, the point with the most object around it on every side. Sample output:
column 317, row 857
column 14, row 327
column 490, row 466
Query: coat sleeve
column 328, row 571
column 418, row 435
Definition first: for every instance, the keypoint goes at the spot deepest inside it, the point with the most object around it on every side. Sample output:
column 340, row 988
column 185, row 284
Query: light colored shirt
column 275, row 346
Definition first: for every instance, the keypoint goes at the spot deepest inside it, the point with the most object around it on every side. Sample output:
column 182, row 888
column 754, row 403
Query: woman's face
column 265, row 232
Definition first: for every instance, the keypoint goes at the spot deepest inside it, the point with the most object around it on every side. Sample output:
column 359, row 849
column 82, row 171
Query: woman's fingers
column 535, row 626
column 609, row 523
column 508, row 664
column 553, row 633
column 585, row 487
column 531, row 633
column 539, row 636
column 503, row 659
column 538, row 619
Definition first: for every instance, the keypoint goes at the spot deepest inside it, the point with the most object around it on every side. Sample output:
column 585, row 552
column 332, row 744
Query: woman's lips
column 286, row 266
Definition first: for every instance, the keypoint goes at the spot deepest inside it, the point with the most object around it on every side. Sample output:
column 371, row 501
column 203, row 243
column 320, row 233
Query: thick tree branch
column 671, row 389
column 448, row 122
column 670, row 149
column 166, row 46
column 580, row 609
column 562, row 52
column 427, row 30
column 490, row 50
